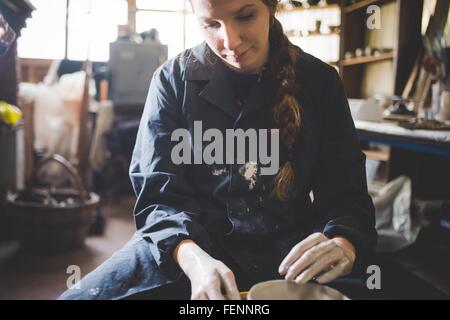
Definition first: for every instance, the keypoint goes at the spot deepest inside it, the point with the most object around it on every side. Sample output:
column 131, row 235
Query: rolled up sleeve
column 340, row 191
column 166, row 210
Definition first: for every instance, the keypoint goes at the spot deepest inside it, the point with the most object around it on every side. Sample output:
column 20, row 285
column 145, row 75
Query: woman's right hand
column 207, row 275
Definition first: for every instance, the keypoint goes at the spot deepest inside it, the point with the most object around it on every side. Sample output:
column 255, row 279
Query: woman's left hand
column 317, row 254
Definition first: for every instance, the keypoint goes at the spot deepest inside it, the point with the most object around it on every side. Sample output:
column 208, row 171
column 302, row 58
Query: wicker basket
column 48, row 220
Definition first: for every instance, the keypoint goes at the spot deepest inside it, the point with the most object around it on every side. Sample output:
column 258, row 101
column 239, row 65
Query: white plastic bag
column 56, row 117
column 394, row 223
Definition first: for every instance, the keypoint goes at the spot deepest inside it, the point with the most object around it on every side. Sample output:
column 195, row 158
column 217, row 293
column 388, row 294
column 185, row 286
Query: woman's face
column 236, row 30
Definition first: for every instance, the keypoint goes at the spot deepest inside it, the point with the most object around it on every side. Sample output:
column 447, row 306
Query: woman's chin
column 242, row 67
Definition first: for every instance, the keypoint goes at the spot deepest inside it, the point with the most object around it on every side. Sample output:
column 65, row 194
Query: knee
column 72, row 294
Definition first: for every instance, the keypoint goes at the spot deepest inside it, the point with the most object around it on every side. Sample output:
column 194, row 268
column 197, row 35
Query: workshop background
column 74, row 76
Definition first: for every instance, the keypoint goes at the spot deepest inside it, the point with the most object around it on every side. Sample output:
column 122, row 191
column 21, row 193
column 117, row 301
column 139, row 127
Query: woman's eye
column 246, row 17
column 211, row 25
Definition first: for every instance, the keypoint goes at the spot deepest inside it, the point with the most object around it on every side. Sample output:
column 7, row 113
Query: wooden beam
column 132, row 16
column 66, row 39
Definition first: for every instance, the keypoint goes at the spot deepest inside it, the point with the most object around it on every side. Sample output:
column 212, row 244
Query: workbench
column 423, row 155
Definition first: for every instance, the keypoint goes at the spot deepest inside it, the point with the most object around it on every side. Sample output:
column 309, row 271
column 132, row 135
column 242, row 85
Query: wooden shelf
column 282, row 9
column 377, row 155
column 364, row 3
column 290, row 35
column 370, row 59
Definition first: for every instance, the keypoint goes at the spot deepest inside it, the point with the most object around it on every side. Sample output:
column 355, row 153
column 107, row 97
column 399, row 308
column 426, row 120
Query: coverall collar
column 203, row 65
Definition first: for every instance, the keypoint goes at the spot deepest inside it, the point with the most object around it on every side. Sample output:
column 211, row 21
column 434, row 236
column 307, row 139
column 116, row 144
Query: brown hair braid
column 287, row 110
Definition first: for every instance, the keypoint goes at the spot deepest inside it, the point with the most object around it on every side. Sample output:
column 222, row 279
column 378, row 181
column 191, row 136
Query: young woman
column 206, row 231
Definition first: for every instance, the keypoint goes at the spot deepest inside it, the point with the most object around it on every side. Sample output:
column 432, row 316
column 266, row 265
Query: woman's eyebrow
column 243, row 8
column 203, row 18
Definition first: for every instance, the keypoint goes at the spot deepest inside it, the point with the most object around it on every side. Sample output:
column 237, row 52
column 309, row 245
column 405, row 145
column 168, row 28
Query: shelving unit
column 316, row 7
column 400, row 32
column 300, row 26
column 291, row 33
column 385, row 73
column 368, row 59
column 364, row 4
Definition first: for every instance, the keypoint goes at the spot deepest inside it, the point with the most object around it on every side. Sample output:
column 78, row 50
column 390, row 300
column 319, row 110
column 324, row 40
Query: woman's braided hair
column 287, row 110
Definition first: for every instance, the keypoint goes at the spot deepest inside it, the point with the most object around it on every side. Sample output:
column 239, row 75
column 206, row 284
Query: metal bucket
column 47, row 220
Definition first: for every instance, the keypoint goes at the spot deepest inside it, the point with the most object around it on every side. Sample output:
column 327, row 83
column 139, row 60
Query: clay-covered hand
column 208, row 276
column 318, row 257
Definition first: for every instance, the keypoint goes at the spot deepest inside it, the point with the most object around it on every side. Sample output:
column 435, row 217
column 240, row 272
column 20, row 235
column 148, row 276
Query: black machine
column 131, row 67
column 130, row 70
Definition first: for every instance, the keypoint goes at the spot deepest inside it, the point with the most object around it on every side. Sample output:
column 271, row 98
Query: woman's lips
column 240, row 57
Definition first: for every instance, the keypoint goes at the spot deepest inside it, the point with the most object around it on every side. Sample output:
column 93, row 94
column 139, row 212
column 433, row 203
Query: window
column 176, row 24
column 92, row 25
column 44, row 36
column 171, row 5
column 193, row 34
column 169, row 25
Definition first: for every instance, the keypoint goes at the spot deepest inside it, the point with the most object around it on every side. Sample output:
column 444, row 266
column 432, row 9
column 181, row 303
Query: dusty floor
column 25, row 276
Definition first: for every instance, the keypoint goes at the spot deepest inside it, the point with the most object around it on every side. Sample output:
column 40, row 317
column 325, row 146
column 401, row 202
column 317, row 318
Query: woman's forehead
column 214, row 9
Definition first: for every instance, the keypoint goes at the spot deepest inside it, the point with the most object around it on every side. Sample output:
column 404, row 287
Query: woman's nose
column 231, row 37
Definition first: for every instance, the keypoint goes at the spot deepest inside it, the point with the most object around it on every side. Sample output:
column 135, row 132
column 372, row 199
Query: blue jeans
column 132, row 273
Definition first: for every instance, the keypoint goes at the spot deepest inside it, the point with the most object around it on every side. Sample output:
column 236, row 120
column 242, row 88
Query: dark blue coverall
column 232, row 217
